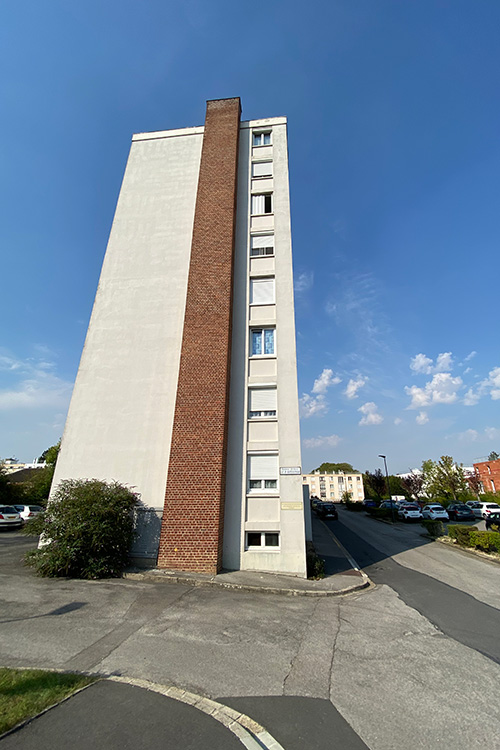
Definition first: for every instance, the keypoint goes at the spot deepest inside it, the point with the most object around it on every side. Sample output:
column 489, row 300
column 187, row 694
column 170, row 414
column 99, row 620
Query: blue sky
column 394, row 117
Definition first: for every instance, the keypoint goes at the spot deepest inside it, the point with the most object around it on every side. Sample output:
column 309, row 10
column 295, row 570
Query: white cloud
column 39, row 391
column 317, row 442
column 444, row 362
column 397, row 421
column 467, row 370
column 421, row 363
column 312, row 406
column 304, row 282
column 356, row 307
column 325, row 381
column 492, row 433
column 8, row 363
column 471, row 398
column 353, row 387
column 468, row 435
column 422, row 418
column 371, row 415
column 442, row 389
column 470, row 356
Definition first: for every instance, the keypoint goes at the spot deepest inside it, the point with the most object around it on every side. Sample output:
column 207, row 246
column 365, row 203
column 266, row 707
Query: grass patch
column 26, row 692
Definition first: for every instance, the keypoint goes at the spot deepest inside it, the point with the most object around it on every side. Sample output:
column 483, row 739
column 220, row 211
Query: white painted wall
column 285, row 512
column 120, row 418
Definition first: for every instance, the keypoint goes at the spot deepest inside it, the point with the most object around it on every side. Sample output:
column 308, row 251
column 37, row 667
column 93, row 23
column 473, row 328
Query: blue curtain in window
column 269, row 341
column 256, row 342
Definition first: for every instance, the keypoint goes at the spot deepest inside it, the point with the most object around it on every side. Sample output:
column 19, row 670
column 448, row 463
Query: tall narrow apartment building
column 187, row 385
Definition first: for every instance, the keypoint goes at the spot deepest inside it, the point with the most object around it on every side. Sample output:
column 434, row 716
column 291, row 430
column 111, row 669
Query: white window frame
column 263, row 195
column 262, row 280
column 263, row 333
column 263, row 414
column 263, row 545
column 257, row 485
column 267, row 250
column 266, row 176
column 259, row 135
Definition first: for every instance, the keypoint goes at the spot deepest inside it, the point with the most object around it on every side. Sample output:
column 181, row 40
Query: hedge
column 434, row 528
column 470, row 536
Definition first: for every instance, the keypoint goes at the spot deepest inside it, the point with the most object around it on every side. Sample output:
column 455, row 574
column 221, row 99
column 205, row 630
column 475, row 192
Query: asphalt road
column 456, row 613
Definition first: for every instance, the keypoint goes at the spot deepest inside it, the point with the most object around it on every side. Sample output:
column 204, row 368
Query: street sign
column 290, row 470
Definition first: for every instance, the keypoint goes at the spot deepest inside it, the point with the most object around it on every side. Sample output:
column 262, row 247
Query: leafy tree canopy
column 50, row 454
column 328, row 468
column 444, row 478
column 494, row 456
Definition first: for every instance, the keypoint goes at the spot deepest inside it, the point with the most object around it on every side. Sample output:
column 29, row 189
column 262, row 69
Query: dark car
column 460, row 512
column 493, row 522
column 327, row 510
column 369, row 503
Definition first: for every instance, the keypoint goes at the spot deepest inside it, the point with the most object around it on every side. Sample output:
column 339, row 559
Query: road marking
column 251, row 734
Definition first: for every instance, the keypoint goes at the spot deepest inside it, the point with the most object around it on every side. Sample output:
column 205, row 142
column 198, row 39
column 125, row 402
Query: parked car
column 327, row 510
column 389, row 504
column 28, row 511
column 409, row 512
column 473, row 504
column 435, row 512
column 493, row 522
column 369, row 503
column 460, row 512
column 486, row 509
column 315, row 501
column 9, row 517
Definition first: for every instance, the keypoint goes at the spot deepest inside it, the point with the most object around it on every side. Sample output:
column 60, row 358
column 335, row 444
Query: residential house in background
column 333, row 486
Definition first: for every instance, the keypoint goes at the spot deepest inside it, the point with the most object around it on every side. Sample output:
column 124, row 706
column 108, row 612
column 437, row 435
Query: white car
column 483, row 510
column 410, row 512
column 9, row 517
column 28, row 511
column 435, row 512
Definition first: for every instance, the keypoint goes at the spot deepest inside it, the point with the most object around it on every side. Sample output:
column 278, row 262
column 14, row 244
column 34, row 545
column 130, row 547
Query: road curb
column 468, row 550
column 249, row 732
column 166, row 577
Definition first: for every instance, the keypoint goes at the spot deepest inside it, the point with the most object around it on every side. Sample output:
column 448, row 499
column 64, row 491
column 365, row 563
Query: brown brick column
column 193, row 516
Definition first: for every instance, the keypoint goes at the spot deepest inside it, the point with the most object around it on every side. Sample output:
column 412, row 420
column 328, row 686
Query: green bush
column 462, row 534
column 434, row 528
column 87, row 530
column 487, row 541
column 382, row 513
column 355, row 507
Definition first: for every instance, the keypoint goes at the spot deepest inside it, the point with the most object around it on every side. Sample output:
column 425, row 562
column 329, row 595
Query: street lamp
column 388, row 486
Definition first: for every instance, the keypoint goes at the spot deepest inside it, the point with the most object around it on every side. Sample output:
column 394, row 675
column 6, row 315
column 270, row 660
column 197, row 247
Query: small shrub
column 462, row 534
column 434, row 528
column 315, row 564
column 87, row 528
column 487, row 541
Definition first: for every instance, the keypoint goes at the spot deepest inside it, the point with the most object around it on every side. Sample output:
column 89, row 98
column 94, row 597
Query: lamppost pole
column 388, row 486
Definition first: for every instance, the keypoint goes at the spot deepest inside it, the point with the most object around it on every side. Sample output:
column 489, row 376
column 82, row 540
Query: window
column 262, row 342
column 262, row 169
column 262, row 291
column 262, row 402
column 263, row 472
column 263, row 539
column 261, row 244
column 262, row 139
column 262, row 203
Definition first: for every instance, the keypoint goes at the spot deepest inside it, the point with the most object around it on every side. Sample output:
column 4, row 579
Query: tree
column 88, row 529
column 494, row 456
column 49, row 455
column 374, row 483
column 474, row 482
column 327, row 468
column 413, row 484
column 346, row 497
column 444, row 479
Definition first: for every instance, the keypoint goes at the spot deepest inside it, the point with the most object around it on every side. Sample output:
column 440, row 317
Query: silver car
column 9, row 517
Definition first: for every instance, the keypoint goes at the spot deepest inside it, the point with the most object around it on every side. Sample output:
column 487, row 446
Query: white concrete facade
column 120, row 419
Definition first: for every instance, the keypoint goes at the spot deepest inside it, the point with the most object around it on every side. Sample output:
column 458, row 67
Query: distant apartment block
column 489, row 475
column 334, row 486
column 187, row 386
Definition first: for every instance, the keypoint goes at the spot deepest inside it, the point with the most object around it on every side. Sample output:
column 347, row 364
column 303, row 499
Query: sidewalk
column 342, row 576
